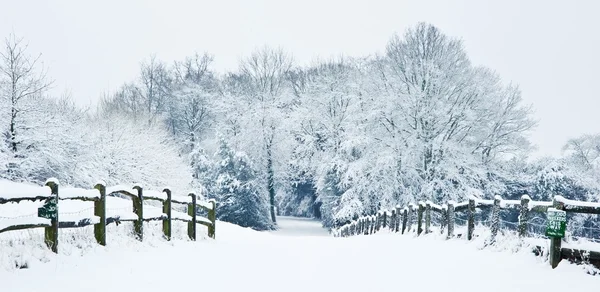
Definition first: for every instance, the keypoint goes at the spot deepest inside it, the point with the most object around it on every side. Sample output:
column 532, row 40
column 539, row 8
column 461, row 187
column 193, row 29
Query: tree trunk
column 13, row 134
column 271, row 183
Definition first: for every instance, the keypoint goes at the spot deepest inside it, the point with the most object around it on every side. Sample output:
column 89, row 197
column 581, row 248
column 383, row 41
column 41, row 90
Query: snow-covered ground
column 241, row 259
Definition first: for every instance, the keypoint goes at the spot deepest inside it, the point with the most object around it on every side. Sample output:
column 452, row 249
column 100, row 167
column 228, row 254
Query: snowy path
column 294, row 226
column 289, row 260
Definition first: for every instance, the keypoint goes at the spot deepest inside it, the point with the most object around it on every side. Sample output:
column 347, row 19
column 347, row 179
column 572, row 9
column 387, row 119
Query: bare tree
column 193, row 69
column 267, row 69
column 20, row 79
column 155, row 87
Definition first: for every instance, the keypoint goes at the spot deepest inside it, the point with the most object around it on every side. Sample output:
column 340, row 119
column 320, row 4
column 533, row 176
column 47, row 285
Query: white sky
column 550, row 48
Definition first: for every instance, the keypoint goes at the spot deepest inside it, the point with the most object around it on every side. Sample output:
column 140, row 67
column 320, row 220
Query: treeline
column 335, row 140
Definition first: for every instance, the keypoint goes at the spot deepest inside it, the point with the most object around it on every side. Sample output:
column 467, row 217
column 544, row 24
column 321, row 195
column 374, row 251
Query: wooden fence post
column 404, row 219
column 555, row 242
column 393, row 220
column 373, row 223
column 362, row 225
column 428, row 217
column 212, row 217
column 444, row 218
column 495, row 218
column 420, row 211
column 100, row 211
column 384, row 217
column 524, row 215
column 51, row 233
column 450, row 219
column 138, row 209
column 411, row 208
column 398, row 216
column 167, row 210
column 470, row 218
column 192, row 213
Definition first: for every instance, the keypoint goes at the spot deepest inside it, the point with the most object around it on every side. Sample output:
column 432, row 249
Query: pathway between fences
column 402, row 220
column 128, row 206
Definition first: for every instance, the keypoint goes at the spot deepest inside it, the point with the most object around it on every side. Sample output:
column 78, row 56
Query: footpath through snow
column 299, row 257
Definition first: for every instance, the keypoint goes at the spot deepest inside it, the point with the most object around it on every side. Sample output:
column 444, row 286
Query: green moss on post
column 212, row 217
column 192, row 213
column 470, row 219
column 450, row 215
column 420, row 212
column 51, row 233
column 524, row 216
column 427, row 217
column 409, row 219
column 495, row 219
column 138, row 209
column 444, row 218
column 167, row 211
column 100, row 211
column 393, row 220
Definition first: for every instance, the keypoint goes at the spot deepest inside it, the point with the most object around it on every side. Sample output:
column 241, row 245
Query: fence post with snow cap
column 398, row 218
column 393, row 220
column 100, row 211
column 450, row 215
column 444, row 218
column 495, row 218
column 411, row 208
column 524, row 215
column 192, row 213
column 428, row 217
column 138, row 209
column 51, row 232
column 470, row 218
column 420, row 212
column 212, row 217
column 166, row 208
column 384, row 217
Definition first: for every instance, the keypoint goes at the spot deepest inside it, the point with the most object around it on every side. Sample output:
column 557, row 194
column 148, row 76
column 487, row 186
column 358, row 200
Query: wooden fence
column 51, row 224
column 401, row 220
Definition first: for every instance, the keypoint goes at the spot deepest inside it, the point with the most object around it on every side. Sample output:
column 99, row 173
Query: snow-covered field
column 241, row 259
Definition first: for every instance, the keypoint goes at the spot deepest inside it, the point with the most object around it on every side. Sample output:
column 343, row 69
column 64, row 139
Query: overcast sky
column 550, row 48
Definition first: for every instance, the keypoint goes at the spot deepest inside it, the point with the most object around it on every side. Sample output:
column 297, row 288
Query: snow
column 539, row 203
column 78, row 218
column 509, row 203
column 12, row 190
column 181, row 199
column 155, row 194
column 576, row 203
column 120, row 188
column 299, row 227
column 205, row 204
column 4, row 223
column 239, row 259
column 67, row 193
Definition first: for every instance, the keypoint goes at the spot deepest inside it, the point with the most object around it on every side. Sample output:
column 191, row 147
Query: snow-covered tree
column 236, row 189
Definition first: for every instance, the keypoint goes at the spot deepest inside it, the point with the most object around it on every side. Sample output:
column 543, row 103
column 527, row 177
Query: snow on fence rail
column 400, row 220
column 11, row 192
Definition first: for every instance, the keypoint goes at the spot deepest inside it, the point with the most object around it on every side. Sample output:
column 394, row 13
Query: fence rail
column 99, row 195
column 401, row 220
